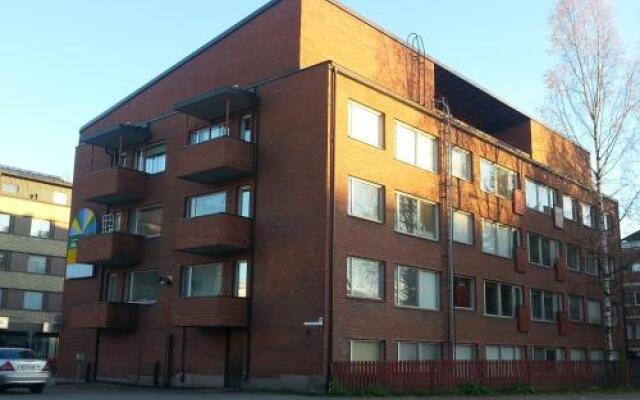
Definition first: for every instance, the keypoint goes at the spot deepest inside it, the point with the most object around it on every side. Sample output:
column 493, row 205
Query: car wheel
column 36, row 388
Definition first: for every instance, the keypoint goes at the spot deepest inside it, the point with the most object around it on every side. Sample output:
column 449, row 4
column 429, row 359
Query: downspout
column 449, row 201
column 329, row 290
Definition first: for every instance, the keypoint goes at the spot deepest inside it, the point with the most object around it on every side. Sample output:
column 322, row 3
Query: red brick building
column 631, row 289
column 278, row 201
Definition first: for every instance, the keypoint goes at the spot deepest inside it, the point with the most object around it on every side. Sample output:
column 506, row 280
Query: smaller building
column 34, row 219
column 631, row 285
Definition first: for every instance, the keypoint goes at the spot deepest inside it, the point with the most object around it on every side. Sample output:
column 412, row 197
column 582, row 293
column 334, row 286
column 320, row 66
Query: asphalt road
column 109, row 392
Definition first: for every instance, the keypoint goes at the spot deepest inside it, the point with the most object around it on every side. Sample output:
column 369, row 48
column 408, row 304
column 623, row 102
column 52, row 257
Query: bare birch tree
column 592, row 96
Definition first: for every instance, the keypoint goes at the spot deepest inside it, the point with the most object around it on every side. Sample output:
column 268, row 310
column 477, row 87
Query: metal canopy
column 112, row 137
column 213, row 104
column 473, row 105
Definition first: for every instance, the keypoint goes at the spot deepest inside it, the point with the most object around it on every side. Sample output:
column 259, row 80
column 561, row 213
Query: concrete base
column 198, row 381
column 297, row 383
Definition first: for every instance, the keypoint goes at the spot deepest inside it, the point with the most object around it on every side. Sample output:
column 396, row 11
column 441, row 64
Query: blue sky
column 64, row 62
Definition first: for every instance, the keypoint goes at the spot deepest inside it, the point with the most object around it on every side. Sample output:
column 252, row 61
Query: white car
column 22, row 368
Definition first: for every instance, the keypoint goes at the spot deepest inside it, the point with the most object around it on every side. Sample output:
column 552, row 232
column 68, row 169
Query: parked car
column 22, row 368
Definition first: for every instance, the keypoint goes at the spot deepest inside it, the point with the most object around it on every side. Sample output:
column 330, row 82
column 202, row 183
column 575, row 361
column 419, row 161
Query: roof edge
column 182, row 62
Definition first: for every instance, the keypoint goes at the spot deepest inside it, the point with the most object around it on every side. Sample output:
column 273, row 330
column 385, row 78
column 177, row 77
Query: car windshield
column 17, row 354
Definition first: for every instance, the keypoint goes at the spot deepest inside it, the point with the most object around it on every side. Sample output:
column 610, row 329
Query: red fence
column 406, row 376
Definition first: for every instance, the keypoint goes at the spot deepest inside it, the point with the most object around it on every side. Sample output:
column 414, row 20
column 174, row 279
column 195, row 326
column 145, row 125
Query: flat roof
column 33, row 176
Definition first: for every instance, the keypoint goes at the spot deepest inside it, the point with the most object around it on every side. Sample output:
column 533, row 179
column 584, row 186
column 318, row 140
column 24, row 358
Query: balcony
column 113, row 186
column 104, row 315
column 209, row 312
column 109, row 249
column 217, row 160
column 213, row 234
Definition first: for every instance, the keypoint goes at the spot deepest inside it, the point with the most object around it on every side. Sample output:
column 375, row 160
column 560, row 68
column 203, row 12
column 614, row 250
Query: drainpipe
column 449, row 201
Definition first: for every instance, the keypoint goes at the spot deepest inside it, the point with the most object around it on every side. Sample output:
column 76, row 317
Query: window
column 141, row 287
column 417, row 288
column 503, row 353
column 575, row 309
column 202, row 280
column 365, row 278
column 111, row 222
column 60, row 198
column 36, row 264
column 465, row 352
column 416, row 148
column 501, row 300
column 633, row 331
column 206, row 204
column 462, row 227
column 590, row 264
column 365, row 124
column 5, row 223
column 244, row 201
column 111, row 291
column 573, row 257
column 33, row 301
column 496, row 179
column 635, row 267
column 365, row 200
column 152, row 160
column 542, row 251
column 586, row 214
column 577, row 354
column 461, row 163
column 594, row 312
column 416, row 217
column 615, row 355
column 10, row 188
column 636, row 298
column 499, row 239
column 569, row 208
column 146, row 222
column 4, row 259
column 464, row 292
column 545, row 305
column 366, row 350
column 240, row 279
column 40, row 228
column 246, row 131
column 596, row 355
column 207, row 133
column 547, row 354
column 540, row 197
column 419, row 351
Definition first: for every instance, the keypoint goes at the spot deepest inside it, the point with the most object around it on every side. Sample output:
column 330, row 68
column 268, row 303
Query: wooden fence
column 407, row 376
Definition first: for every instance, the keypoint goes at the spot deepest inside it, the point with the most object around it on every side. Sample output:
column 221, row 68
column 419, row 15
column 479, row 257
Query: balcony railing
column 216, row 160
column 113, row 186
column 109, row 249
column 209, row 312
column 104, row 315
column 213, row 234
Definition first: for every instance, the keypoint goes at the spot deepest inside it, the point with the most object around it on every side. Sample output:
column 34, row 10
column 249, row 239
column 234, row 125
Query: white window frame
column 470, row 225
column 417, row 133
column 472, row 294
column 513, row 232
column 39, row 224
column 41, row 300
column 241, row 274
column 419, row 289
column 466, row 156
column 540, row 191
column 581, row 303
column 187, row 276
column 514, row 289
column 599, row 308
column 242, row 201
column 360, row 138
column 554, row 247
column 494, row 168
column 60, row 198
column 31, row 257
column 205, row 133
column 135, row 223
column 571, row 212
column 636, row 298
column 579, row 268
column 589, row 255
column 587, row 218
column 472, row 347
column 380, row 190
column 380, row 344
column 7, row 218
column 556, row 304
column 559, row 353
column 129, row 287
column 9, row 187
column 573, row 352
column 425, row 234
column 141, row 159
column 381, row 278
column 518, row 352
column 244, row 128
column 421, row 349
column 192, row 207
